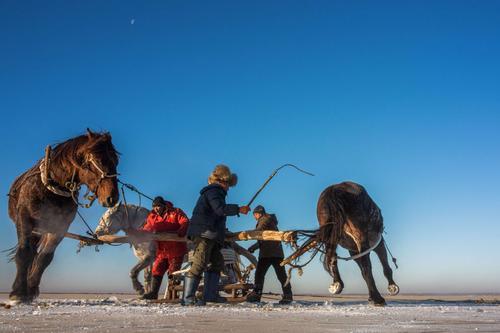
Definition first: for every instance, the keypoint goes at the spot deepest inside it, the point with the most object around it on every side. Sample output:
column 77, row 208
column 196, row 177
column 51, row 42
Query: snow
column 114, row 314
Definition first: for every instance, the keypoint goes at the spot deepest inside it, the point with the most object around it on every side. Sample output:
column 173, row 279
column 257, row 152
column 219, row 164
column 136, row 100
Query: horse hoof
column 393, row 289
column 12, row 302
column 378, row 302
column 335, row 288
column 16, row 299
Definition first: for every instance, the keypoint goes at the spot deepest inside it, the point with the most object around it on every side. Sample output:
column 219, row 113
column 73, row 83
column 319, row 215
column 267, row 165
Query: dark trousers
column 262, row 266
column 207, row 256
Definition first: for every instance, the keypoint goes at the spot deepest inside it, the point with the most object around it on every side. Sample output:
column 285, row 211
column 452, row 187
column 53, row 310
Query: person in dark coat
column 270, row 254
column 207, row 229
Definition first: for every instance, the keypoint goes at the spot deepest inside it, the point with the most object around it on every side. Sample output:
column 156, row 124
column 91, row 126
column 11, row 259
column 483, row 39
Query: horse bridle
column 91, row 159
column 90, row 197
column 71, row 187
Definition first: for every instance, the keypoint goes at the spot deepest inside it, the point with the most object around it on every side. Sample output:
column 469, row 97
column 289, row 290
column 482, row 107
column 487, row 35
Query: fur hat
column 222, row 174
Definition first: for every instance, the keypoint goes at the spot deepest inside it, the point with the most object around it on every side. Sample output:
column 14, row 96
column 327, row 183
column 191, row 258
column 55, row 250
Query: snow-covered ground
column 94, row 313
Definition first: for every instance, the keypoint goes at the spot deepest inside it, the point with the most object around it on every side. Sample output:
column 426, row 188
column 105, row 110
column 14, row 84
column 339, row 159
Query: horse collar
column 49, row 183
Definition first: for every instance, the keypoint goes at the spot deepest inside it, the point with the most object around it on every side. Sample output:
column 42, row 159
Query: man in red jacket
column 169, row 255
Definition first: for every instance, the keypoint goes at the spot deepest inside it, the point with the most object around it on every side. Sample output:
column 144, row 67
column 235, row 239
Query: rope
column 89, row 232
column 392, row 258
column 134, row 189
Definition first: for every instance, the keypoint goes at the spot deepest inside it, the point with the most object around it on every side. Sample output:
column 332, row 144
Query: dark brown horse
column 350, row 218
column 43, row 202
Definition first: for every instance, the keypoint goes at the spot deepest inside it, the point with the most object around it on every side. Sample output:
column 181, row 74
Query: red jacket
column 173, row 220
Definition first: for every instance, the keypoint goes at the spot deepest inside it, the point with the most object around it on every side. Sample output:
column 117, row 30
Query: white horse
column 125, row 217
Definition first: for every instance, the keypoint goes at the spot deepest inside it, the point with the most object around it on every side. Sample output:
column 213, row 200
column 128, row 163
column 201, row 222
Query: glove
column 244, row 210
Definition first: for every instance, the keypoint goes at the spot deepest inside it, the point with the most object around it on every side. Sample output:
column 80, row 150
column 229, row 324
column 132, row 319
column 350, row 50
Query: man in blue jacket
column 207, row 231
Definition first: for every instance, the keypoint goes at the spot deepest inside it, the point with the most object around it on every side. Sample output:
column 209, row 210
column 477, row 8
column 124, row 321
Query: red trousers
column 163, row 264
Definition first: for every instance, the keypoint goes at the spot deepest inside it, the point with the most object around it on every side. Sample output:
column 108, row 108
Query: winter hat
column 158, row 201
column 259, row 210
column 222, row 174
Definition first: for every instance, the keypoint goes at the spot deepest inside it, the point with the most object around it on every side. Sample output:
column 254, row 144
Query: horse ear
column 90, row 134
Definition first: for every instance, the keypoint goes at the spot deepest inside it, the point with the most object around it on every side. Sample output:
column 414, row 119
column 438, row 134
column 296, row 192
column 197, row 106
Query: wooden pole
column 299, row 252
column 266, row 235
column 144, row 236
column 71, row 235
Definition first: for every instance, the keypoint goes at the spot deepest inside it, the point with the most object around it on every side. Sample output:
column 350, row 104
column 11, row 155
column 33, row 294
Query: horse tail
column 332, row 219
column 11, row 253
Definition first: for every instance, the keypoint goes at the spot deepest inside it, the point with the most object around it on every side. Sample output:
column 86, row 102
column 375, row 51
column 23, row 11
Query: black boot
column 255, row 295
column 211, row 288
column 287, row 295
column 191, row 284
column 155, row 287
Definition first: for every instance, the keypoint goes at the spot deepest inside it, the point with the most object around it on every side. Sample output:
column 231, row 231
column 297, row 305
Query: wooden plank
column 138, row 236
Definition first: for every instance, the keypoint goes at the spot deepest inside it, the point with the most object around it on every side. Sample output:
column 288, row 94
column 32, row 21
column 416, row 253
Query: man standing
column 169, row 255
column 270, row 254
column 207, row 231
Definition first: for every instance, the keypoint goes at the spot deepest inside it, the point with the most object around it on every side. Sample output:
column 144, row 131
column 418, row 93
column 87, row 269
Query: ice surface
column 113, row 314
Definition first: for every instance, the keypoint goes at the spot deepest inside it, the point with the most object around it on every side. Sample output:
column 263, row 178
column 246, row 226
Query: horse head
column 98, row 160
column 112, row 221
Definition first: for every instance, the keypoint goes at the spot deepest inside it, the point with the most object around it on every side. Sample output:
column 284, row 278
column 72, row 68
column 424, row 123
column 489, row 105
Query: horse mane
column 68, row 152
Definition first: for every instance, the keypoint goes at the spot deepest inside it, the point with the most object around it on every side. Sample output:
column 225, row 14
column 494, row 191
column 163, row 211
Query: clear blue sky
column 402, row 97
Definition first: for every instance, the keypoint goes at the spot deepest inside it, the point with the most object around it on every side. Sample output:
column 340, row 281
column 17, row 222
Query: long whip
column 271, row 177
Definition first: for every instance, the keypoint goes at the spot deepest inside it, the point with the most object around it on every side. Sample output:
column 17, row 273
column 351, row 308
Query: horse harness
column 71, row 187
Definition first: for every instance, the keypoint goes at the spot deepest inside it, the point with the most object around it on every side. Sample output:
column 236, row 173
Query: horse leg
column 26, row 249
column 382, row 255
column 43, row 259
column 134, row 273
column 365, row 266
column 338, row 285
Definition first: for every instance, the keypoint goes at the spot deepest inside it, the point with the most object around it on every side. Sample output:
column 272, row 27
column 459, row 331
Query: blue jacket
column 209, row 214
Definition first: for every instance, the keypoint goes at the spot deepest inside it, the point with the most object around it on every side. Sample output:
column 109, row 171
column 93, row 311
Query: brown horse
column 349, row 217
column 43, row 202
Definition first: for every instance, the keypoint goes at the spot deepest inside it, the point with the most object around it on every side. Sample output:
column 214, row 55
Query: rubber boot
column 287, row 295
column 211, row 288
column 155, row 287
column 254, row 296
column 191, row 284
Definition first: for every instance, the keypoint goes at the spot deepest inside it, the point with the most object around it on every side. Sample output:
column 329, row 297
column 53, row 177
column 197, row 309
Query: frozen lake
column 123, row 313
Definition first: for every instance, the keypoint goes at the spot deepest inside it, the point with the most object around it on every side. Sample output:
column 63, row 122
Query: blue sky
column 402, row 97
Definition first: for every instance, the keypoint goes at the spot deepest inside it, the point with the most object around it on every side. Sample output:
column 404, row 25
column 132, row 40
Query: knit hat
column 259, row 210
column 158, row 201
column 222, row 174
